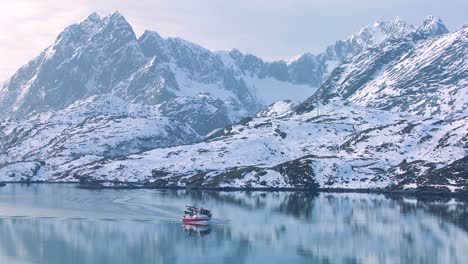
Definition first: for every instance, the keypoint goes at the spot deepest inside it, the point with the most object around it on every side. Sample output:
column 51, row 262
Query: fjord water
column 63, row 224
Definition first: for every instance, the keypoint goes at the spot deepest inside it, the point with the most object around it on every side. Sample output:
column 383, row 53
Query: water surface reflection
column 62, row 224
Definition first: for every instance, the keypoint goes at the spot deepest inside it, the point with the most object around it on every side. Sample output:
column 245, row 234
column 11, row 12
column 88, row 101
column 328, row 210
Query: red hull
column 194, row 220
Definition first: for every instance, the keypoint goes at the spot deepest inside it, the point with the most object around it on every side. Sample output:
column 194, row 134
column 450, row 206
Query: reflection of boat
column 195, row 215
column 196, row 229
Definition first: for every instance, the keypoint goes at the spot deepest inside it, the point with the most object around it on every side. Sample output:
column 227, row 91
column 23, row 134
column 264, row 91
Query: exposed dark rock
column 298, row 173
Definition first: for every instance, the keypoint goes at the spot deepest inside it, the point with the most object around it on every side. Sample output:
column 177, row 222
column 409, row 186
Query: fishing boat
column 195, row 215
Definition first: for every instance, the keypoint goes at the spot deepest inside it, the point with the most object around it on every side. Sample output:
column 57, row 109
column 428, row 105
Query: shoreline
column 418, row 193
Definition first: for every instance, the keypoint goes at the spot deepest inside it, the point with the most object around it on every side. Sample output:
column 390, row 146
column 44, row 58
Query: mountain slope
column 103, row 56
column 83, row 133
column 415, row 74
column 313, row 70
column 345, row 146
column 101, row 105
column 74, row 67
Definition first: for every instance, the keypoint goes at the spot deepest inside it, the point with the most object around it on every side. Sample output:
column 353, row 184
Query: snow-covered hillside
column 340, row 145
column 85, row 132
column 419, row 75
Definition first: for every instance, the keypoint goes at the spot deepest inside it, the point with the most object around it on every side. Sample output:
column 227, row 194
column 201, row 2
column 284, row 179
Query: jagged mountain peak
column 301, row 57
column 111, row 27
column 369, row 36
column 150, row 33
column 77, row 33
column 154, row 39
column 382, row 30
column 395, row 23
column 94, row 16
column 87, row 58
column 116, row 15
column 117, row 21
column 425, row 75
column 433, row 25
column 398, row 27
column 103, row 56
column 152, row 45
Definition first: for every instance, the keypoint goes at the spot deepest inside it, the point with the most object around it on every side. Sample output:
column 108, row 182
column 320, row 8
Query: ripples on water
column 62, row 224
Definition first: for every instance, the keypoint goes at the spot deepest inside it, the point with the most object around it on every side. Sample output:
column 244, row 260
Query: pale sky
column 270, row 29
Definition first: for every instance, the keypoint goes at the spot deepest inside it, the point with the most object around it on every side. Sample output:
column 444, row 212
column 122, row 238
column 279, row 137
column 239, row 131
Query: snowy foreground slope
column 83, row 133
column 345, row 146
column 340, row 145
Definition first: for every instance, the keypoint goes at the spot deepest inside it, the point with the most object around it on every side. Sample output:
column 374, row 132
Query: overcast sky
column 271, row 29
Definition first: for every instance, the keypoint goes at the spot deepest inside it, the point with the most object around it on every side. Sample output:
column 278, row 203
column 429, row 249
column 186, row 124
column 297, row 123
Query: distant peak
column 85, row 27
column 400, row 23
column 395, row 22
column 116, row 16
column 152, row 33
column 397, row 27
column 431, row 19
column 94, row 16
column 382, row 30
column 116, row 22
column 148, row 34
column 301, row 57
column 235, row 52
column 398, row 19
column 433, row 25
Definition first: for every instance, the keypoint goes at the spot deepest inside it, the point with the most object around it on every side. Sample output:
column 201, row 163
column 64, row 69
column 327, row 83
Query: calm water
column 62, row 224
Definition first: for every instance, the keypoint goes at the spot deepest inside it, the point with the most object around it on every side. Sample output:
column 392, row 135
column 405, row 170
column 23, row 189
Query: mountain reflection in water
column 63, row 224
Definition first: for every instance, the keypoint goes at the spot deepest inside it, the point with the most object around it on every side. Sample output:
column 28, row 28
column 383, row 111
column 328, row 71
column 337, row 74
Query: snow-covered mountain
column 103, row 105
column 314, row 69
column 104, row 57
column 421, row 73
